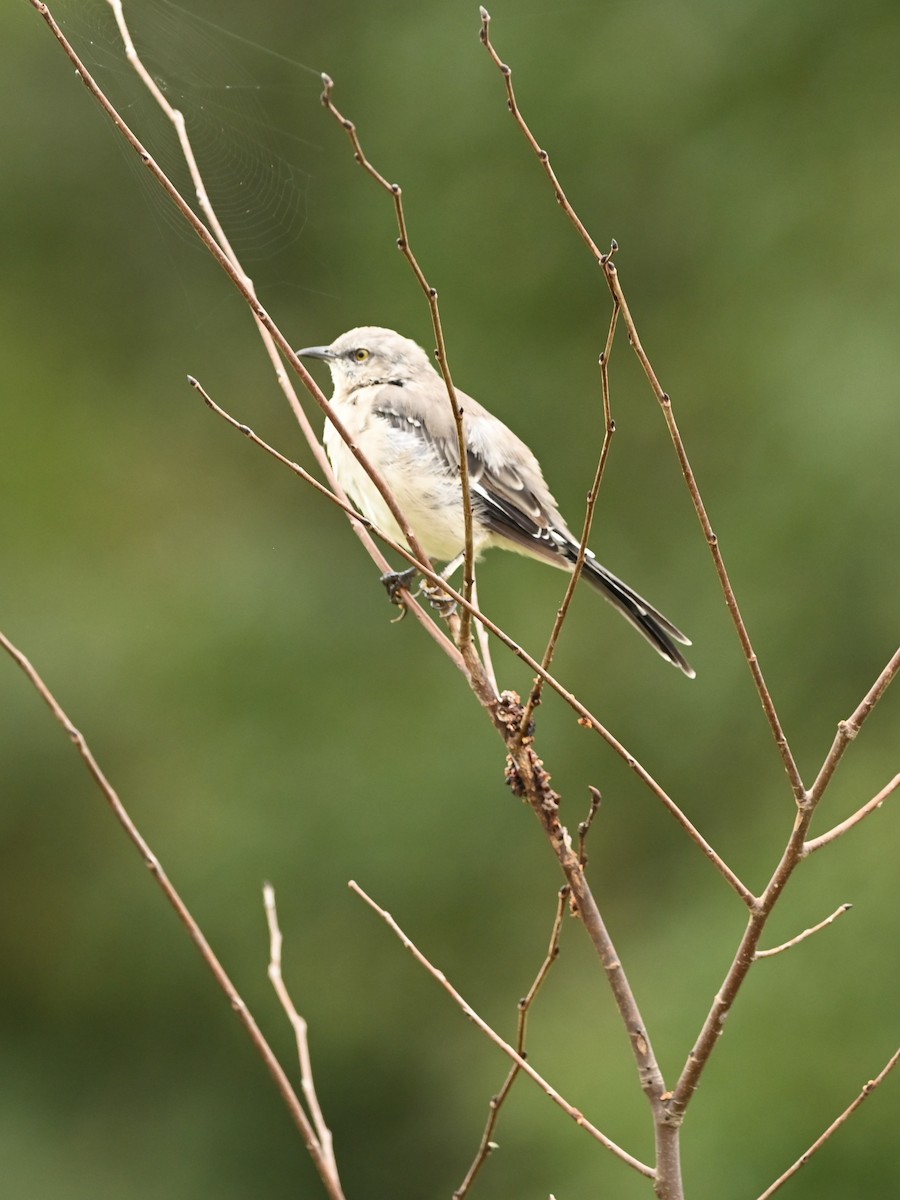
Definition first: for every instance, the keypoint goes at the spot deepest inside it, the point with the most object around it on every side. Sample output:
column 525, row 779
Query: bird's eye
column 361, row 354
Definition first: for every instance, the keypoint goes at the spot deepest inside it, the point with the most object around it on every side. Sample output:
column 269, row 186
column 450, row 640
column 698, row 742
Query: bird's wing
column 508, row 490
column 512, row 501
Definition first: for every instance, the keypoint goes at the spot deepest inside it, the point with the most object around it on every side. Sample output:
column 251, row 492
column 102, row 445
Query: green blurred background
column 216, row 632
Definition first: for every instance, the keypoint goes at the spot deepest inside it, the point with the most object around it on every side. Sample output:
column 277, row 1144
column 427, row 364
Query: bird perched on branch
column 395, row 407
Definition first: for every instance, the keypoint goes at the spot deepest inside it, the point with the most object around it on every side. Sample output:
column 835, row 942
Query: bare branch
column 804, row 1158
column 605, row 261
column 403, row 244
column 528, row 778
column 300, row 1028
column 609, row 429
column 847, row 730
column 542, row 155
column 577, row 1116
column 282, row 1083
column 487, row 1146
column 584, row 827
column 870, row 806
column 801, row 937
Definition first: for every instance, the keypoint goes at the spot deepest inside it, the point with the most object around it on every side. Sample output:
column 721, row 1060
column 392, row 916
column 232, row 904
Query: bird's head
column 370, row 355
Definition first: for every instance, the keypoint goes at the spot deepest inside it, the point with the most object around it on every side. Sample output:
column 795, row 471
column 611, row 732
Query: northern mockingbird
column 394, row 405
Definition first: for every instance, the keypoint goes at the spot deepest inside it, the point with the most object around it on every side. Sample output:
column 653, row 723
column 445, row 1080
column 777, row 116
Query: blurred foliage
column 226, row 648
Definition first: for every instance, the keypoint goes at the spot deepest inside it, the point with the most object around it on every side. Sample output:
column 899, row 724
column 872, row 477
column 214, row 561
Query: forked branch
column 521, row 1063
column 866, row 810
column 801, row 937
column 487, row 1145
column 847, row 730
column 300, row 1028
column 608, row 266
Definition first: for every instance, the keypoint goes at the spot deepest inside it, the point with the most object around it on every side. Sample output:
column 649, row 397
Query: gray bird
column 394, row 406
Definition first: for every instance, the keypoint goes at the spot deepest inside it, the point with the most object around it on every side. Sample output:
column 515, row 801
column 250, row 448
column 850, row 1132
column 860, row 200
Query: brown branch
column 325, row 1168
column 796, row 850
column 584, row 827
column 870, row 806
column 529, row 780
column 605, row 261
column 403, row 244
column 609, row 429
column 300, row 1028
column 542, row 155
column 712, row 540
column 847, row 730
column 487, row 1146
column 804, row 1158
column 746, row 955
column 801, row 937
column 523, row 1065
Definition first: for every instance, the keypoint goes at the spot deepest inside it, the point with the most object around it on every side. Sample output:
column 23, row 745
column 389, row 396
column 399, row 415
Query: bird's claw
column 442, row 604
column 395, row 583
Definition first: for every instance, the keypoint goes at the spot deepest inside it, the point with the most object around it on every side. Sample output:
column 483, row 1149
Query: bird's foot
column 395, row 583
column 442, row 604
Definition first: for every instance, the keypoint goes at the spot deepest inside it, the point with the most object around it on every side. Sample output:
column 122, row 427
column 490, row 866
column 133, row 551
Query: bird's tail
column 657, row 629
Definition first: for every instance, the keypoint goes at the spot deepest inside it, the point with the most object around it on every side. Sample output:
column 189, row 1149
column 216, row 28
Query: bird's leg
column 442, row 604
column 396, row 582
column 437, row 597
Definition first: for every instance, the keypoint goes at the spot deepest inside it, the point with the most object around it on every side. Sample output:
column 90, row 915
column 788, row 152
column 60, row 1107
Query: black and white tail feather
column 557, row 546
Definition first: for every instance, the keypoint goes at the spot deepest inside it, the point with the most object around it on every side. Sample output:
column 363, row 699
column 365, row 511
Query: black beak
column 325, row 352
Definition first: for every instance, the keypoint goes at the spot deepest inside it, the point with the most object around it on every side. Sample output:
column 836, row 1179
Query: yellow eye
column 361, row 354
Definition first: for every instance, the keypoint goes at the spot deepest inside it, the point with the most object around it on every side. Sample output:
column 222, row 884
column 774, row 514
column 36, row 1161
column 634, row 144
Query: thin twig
column 609, row 429
column 605, row 261
column 487, row 1145
column 712, row 540
column 801, row 937
column 282, row 1083
column 744, row 958
column 542, row 155
column 403, row 243
column 848, row 729
column 870, row 806
column 577, row 1116
column 299, row 1026
column 804, row 1158
column 584, row 827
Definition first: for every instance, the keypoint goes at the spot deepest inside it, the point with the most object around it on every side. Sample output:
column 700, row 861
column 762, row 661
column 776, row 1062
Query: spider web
column 255, row 166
